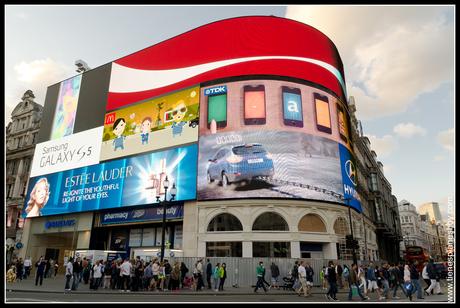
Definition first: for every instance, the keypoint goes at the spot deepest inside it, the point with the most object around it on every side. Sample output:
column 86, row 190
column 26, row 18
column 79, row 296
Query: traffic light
column 349, row 241
column 355, row 244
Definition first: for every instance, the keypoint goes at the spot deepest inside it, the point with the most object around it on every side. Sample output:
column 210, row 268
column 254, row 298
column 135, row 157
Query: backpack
column 346, row 273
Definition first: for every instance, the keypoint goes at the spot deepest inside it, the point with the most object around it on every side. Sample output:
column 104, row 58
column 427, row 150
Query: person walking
column 362, row 279
column 56, row 267
column 41, row 264
column 322, row 278
column 372, row 280
column 77, row 270
column 215, row 277
column 68, row 274
column 353, row 283
column 183, row 273
column 384, row 278
column 275, row 272
column 310, row 273
column 199, row 268
column 125, row 270
column 396, row 280
column 19, row 269
column 295, row 275
column 331, row 277
column 415, row 279
column 222, row 276
column 27, row 266
column 107, row 275
column 175, row 276
column 433, row 276
column 97, row 275
column 302, row 279
column 155, row 275
column 408, row 287
column 339, row 272
column 208, row 273
column 260, row 276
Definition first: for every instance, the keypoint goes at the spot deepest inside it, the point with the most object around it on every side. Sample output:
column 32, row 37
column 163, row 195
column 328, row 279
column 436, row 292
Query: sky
column 398, row 62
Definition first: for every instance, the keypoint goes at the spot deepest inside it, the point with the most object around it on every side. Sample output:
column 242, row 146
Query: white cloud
column 383, row 146
column 439, row 158
column 391, row 54
column 35, row 75
column 408, row 130
column 446, row 139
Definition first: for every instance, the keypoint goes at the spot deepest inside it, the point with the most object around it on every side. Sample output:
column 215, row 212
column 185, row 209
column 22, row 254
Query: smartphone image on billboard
column 217, row 110
column 323, row 116
column 292, row 106
column 341, row 120
column 254, row 105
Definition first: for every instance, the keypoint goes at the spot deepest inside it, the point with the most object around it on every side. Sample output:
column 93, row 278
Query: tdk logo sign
column 215, row 90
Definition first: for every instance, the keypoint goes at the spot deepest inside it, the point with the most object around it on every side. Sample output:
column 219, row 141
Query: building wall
column 197, row 217
column 21, row 137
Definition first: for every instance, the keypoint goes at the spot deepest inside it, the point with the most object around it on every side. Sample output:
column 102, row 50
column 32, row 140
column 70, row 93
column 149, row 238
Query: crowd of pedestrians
column 131, row 275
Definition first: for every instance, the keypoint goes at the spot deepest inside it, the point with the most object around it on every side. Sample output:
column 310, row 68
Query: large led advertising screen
column 66, row 108
column 118, row 183
column 277, row 139
column 158, row 123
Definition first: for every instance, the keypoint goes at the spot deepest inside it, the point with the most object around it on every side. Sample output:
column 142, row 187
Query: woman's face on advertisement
column 40, row 193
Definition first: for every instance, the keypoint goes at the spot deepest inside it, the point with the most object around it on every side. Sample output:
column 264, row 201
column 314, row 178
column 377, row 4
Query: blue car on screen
column 241, row 162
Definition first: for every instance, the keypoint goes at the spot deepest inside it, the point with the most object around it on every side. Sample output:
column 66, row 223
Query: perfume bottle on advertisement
column 162, row 175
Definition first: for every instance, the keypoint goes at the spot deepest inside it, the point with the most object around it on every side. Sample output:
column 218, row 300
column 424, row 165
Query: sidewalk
column 56, row 285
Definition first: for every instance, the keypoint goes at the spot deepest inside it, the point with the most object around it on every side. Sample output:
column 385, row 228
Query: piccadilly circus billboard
column 240, row 120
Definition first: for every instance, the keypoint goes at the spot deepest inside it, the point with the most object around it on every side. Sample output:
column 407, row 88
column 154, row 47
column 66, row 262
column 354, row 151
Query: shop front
column 57, row 237
column 138, row 232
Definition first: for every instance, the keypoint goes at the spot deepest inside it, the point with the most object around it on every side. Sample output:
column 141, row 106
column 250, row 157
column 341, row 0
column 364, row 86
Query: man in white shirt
column 97, row 274
column 68, row 273
column 303, row 279
column 125, row 270
column 27, row 266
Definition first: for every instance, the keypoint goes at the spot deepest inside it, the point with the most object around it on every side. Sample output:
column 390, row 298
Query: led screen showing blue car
column 119, row 183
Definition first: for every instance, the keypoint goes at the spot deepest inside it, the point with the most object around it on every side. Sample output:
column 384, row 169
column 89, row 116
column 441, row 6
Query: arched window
column 225, row 222
column 270, row 221
column 341, row 226
column 312, row 223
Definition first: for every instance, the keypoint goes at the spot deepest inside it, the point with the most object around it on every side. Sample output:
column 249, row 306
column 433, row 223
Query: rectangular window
column 224, row 249
column 374, row 182
column 9, row 190
column 217, row 110
column 271, row 249
column 323, row 116
column 254, row 105
column 341, row 120
column 292, row 107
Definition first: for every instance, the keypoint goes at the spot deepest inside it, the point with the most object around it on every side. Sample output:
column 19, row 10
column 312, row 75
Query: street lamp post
column 165, row 203
column 439, row 240
column 355, row 260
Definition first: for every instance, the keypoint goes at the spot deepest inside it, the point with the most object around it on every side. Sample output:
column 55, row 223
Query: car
column 238, row 163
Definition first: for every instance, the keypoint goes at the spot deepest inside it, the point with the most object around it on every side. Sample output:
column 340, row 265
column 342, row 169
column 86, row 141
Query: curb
column 158, row 293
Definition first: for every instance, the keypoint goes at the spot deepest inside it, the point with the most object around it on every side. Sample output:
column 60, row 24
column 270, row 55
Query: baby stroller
column 188, row 282
column 288, row 283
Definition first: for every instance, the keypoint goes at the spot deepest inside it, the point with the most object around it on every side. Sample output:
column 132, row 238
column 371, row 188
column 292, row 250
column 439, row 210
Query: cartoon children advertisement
column 150, row 125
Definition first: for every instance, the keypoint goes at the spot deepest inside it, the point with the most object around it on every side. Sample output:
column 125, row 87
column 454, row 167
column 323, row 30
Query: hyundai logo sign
column 351, row 171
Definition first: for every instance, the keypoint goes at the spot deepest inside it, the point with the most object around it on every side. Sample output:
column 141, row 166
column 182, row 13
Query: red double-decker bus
column 418, row 253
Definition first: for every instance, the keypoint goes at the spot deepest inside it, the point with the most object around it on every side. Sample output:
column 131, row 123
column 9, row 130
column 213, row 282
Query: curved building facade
column 246, row 117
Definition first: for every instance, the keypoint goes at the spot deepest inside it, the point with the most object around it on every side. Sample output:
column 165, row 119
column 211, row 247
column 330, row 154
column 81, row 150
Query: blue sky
column 399, row 66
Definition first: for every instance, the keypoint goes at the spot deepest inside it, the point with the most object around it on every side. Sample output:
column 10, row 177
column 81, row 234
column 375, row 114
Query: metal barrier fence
column 242, row 271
